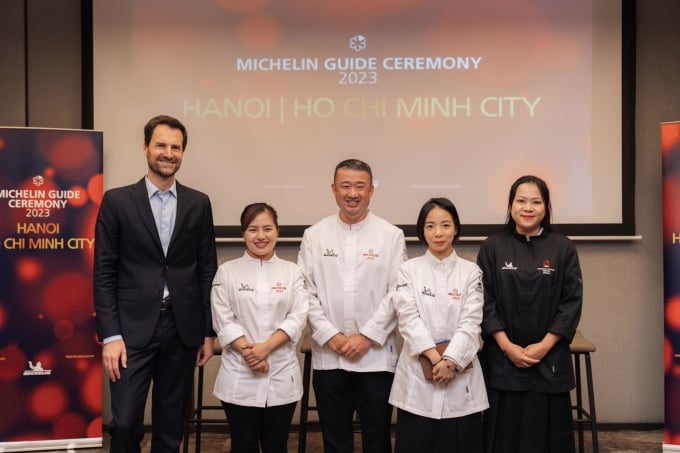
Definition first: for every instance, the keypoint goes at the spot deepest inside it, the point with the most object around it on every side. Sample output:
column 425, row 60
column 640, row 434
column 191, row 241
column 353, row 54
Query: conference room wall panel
column 13, row 64
column 54, row 63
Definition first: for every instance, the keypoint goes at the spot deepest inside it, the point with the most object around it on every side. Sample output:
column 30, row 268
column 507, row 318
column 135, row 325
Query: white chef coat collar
column 354, row 226
column 448, row 261
column 259, row 262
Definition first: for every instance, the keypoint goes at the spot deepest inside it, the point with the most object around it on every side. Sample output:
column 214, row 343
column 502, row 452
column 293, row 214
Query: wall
column 623, row 310
column 40, row 76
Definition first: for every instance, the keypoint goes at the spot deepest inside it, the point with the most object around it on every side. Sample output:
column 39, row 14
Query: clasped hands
column 352, row 347
column 526, row 357
column 443, row 370
column 255, row 354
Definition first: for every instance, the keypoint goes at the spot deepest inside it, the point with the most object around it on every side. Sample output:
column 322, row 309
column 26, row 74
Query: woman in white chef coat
column 438, row 386
column 259, row 309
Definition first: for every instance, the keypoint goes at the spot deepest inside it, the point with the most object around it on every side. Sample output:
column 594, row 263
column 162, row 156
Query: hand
column 432, row 355
column 537, row 350
column 240, row 345
column 444, row 371
column 256, row 353
column 518, row 356
column 261, row 367
column 205, row 351
column 356, row 346
column 114, row 353
column 337, row 342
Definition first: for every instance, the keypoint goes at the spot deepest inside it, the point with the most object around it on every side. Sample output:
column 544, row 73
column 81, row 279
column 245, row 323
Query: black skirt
column 528, row 422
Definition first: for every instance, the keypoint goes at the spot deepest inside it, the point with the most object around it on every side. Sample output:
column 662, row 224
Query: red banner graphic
column 50, row 362
column 670, row 148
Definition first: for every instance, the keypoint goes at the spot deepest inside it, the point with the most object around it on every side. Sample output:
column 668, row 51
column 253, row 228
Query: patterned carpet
column 619, row 441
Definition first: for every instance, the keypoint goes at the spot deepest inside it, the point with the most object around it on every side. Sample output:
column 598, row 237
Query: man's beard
column 165, row 172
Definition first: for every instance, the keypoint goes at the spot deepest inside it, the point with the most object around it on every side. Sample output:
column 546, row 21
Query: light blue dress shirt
column 164, row 208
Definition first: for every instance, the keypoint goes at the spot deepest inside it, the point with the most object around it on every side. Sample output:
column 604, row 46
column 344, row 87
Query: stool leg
column 199, row 409
column 579, row 402
column 304, row 403
column 591, row 404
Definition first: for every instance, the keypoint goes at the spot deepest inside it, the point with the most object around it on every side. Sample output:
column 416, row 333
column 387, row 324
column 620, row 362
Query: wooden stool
column 581, row 347
column 196, row 408
column 306, row 350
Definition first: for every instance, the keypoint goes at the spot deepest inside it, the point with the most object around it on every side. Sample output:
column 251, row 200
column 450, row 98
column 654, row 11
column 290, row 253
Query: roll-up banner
column 50, row 361
column 670, row 150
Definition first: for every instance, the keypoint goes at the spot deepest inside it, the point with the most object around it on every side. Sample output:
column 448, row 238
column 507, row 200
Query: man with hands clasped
column 350, row 261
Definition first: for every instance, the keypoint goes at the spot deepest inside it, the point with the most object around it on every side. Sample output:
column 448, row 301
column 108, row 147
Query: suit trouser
column 170, row 365
column 253, row 428
column 338, row 394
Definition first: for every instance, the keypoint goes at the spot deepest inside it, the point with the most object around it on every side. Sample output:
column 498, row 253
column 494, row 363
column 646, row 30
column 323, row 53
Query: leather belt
column 165, row 304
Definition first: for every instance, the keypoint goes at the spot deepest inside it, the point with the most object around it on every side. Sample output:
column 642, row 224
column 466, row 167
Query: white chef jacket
column 439, row 300
column 349, row 270
column 253, row 298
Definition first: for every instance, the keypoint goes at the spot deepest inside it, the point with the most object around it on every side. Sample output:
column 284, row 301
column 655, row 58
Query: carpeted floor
column 619, row 441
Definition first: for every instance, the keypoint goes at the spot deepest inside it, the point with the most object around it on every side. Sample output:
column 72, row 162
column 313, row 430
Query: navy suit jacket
column 130, row 269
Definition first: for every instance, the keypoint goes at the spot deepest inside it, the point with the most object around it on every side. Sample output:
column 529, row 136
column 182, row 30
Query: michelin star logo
column 357, row 43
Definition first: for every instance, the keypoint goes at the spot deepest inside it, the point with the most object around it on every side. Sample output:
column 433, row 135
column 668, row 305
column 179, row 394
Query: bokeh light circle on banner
column 68, row 296
column 14, row 363
column 46, row 359
column 71, row 155
column 47, row 401
column 91, row 390
column 81, row 199
column 28, row 269
column 3, row 317
column 94, row 428
column 63, row 329
column 672, row 312
column 69, row 425
column 95, row 188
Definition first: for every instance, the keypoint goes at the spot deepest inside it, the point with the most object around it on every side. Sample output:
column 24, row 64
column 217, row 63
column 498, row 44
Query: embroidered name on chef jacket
column 371, row 255
column 279, row 288
column 455, row 294
column 546, row 269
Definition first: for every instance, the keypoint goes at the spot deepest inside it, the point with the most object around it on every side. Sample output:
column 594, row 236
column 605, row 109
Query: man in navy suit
column 154, row 263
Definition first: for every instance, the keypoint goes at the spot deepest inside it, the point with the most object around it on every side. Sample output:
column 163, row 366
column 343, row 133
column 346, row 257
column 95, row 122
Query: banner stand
column 50, row 361
column 670, row 150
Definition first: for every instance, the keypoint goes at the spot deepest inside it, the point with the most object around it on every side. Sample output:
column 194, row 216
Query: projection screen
column 442, row 98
